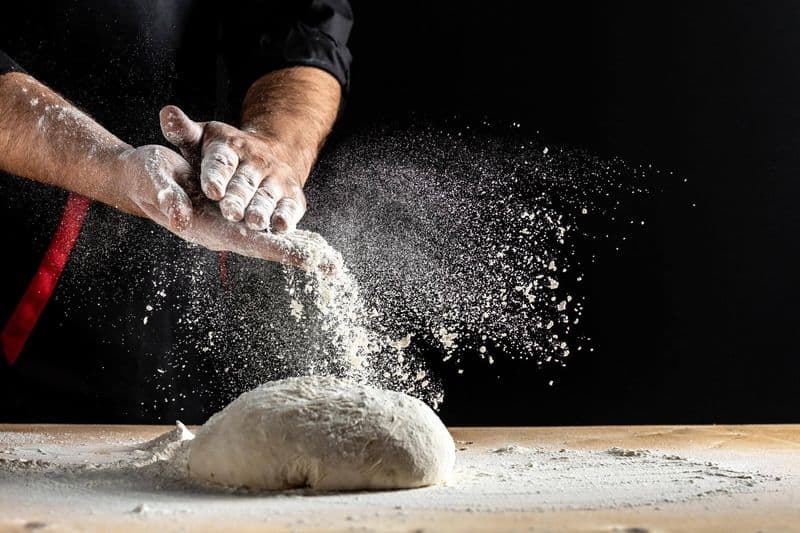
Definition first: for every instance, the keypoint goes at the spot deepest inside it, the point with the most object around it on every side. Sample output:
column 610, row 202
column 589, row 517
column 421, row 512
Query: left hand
column 252, row 176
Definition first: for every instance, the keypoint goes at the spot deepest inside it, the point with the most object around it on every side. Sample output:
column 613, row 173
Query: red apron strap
column 41, row 287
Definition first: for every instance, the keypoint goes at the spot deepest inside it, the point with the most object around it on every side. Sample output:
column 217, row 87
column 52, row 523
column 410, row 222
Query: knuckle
column 260, row 207
column 261, row 161
column 288, row 204
column 215, row 127
column 222, row 160
column 251, row 179
column 268, row 195
column 234, row 194
column 246, row 178
column 295, row 191
column 291, row 206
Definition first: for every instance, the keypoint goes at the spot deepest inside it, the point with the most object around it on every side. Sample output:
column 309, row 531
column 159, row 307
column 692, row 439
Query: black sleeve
column 271, row 35
column 318, row 37
column 8, row 65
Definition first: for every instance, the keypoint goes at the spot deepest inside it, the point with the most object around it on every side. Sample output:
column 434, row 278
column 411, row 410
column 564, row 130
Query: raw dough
column 324, row 433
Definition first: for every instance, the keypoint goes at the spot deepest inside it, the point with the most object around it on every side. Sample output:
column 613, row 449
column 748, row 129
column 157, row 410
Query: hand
column 250, row 175
column 158, row 181
column 149, row 177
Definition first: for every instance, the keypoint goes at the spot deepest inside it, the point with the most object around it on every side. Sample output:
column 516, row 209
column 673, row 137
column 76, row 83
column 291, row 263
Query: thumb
column 179, row 129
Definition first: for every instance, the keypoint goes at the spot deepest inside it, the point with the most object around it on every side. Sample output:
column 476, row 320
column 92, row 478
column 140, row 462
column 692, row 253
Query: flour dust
column 468, row 244
column 460, row 245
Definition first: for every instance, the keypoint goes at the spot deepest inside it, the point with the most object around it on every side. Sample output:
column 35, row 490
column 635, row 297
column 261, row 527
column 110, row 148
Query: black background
column 696, row 321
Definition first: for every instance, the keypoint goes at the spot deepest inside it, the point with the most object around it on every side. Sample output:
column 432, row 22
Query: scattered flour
column 115, row 476
column 511, row 448
column 622, row 452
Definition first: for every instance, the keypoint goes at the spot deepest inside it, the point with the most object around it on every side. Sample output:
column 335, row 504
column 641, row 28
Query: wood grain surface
column 772, row 450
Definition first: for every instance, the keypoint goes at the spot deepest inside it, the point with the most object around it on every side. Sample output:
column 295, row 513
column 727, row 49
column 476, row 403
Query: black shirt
column 140, row 327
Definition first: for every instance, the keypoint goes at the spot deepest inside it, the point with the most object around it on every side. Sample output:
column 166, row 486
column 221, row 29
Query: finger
column 306, row 252
column 302, row 249
column 174, row 204
column 262, row 205
column 288, row 212
column 217, row 168
column 179, row 129
column 171, row 207
column 240, row 191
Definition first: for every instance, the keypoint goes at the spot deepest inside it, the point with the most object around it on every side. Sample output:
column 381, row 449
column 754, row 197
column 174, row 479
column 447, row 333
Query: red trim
column 41, row 287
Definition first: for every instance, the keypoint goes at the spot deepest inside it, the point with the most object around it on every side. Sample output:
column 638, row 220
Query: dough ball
column 323, row 433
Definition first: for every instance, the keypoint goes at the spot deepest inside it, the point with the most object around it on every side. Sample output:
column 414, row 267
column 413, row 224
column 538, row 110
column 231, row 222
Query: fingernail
column 279, row 225
column 282, row 221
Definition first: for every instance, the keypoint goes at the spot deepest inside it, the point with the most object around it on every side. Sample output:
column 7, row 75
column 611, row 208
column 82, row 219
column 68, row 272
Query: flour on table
column 323, row 433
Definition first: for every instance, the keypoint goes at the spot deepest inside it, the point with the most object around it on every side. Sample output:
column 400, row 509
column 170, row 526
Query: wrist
column 115, row 167
column 294, row 107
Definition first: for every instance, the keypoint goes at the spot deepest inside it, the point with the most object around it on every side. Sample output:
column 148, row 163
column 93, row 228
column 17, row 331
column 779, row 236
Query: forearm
column 45, row 138
column 295, row 108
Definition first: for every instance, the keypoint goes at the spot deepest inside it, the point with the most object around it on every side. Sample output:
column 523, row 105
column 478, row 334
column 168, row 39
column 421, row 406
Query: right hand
column 255, row 178
column 159, row 182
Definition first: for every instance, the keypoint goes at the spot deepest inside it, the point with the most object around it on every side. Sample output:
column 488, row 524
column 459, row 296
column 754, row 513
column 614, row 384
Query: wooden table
column 772, row 451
